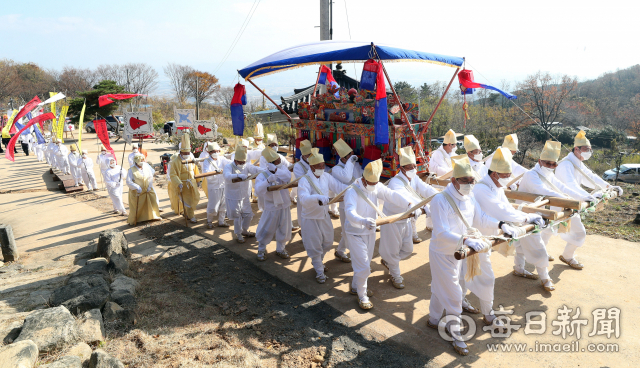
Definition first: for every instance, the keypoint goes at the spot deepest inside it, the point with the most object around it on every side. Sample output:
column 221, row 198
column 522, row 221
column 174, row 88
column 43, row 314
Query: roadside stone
column 96, row 266
column 118, row 263
column 8, row 243
column 12, row 335
column 90, row 326
column 22, row 354
column 65, row 362
column 49, row 329
column 124, row 283
column 110, row 311
column 110, row 242
column 128, row 316
column 637, row 219
column 81, row 294
column 100, row 359
column 81, row 350
column 38, row 299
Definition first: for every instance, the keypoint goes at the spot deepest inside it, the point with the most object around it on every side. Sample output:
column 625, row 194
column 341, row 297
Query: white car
column 629, row 173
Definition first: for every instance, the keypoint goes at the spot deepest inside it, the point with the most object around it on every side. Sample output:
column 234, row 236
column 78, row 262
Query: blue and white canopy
column 331, row 52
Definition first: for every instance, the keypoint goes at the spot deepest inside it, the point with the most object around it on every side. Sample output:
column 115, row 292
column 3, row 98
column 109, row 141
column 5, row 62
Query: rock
column 38, row 299
column 318, row 359
column 637, row 219
column 12, row 335
column 118, row 263
column 128, row 316
column 110, row 311
column 65, row 362
column 110, row 242
column 82, row 293
column 49, row 328
column 8, row 243
column 96, row 266
column 90, row 326
column 100, row 359
column 635, row 194
column 124, row 283
column 22, row 354
column 81, row 350
column 1, row 263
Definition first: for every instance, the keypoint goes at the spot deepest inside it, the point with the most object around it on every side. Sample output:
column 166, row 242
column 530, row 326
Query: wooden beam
column 204, row 175
column 553, row 201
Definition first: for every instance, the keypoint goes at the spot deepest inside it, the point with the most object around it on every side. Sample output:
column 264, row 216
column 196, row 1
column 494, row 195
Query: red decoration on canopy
column 12, row 143
column 107, row 99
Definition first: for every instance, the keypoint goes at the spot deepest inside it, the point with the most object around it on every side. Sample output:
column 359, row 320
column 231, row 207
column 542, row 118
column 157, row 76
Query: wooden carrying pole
column 237, row 180
column 204, row 175
column 401, row 216
column 317, row 79
column 553, row 201
column 269, row 98
column 462, row 254
column 291, row 184
column 184, row 162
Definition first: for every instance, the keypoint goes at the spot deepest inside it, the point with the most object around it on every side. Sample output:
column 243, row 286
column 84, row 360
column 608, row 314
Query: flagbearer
column 86, row 168
column 113, row 178
column 143, row 202
column 456, row 218
column 314, row 220
column 103, row 159
column 276, row 218
column 472, row 146
column 440, row 162
column 573, row 173
column 346, row 171
column 184, row 186
column 396, row 241
column 237, row 194
column 74, row 161
column 214, row 186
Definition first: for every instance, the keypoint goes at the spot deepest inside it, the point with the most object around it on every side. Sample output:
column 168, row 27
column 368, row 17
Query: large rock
column 96, row 266
column 100, row 359
column 64, row 362
column 49, row 329
column 124, row 283
column 81, row 350
column 110, row 311
column 8, row 243
column 118, row 263
column 81, row 293
column 110, row 242
column 22, row 354
column 90, row 326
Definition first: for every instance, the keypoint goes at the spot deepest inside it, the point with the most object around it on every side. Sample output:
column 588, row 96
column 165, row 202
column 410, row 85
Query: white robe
column 76, row 172
column 396, row 240
column 130, row 158
column 440, row 162
column 300, row 168
column 360, row 239
column 275, row 220
column 216, row 204
column 516, row 168
column 480, row 169
column 448, row 229
column 237, row 196
column 113, row 178
column 86, row 168
column 315, row 223
column 39, row 148
column 63, row 160
column 346, row 174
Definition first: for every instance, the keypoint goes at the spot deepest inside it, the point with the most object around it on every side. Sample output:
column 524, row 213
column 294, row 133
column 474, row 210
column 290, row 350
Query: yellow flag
column 61, row 123
column 80, row 127
column 7, row 128
column 53, row 104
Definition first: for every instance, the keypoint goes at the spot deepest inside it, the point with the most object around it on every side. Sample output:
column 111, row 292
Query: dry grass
column 615, row 220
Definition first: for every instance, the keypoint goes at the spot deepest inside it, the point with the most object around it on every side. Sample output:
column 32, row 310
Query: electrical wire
column 235, row 41
column 355, row 72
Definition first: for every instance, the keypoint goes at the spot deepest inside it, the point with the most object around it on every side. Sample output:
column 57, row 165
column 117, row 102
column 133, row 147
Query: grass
column 616, row 219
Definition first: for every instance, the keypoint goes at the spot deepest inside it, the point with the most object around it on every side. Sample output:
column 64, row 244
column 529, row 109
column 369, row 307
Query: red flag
column 101, row 130
column 27, row 108
column 136, row 123
column 12, row 143
column 107, row 99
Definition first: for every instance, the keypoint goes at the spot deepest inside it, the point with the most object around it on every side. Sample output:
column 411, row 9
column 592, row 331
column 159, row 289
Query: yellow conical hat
column 72, row 147
column 471, row 143
column 269, row 154
column 305, row 147
column 501, row 162
column 102, row 147
column 373, row 170
column 450, row 137
column 581, row 140
column 271, row 139
column 407, row 157
column 259, row 132
column 316, row 157
column 551, row 151
column 185, row 143
column 342, row 148
column 462, row 168
column 241, row 153
column 213, row 146
column 511, row 142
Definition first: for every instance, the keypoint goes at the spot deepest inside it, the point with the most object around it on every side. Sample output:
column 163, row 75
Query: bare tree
column 9, row 82
column 112, row 72
column 141, row 77
column 179, row 77
column 33, row 81
column 73, row 80
column 224, row 97
column 202, row 86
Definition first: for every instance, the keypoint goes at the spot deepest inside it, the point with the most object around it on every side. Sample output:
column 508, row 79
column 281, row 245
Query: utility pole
column 326, row 21
column 197, row 109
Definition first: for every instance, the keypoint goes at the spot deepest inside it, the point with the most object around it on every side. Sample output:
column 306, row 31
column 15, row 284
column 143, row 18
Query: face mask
column 465, row 189
column 103, row 153
column 135, row 150
column 214, row 155
column 371, row 188
column 585, row 155
column 240, row 167
column 478, row 157
column 504, row 181
column 546, row 171
column 411, row 173
column 318, row 172
column 112, row 165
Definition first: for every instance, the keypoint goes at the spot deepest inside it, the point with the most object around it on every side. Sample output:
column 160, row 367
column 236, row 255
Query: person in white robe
column 216, row 203
column 396, row 239
column 315, row 222
column 62, row 156
column 346, row 171
column 275, row 220
column 74, row 159
column 456, row 217
column 39, row 149
column 103, row 160
column 114, row 178
column 474, row 152
column 300, row 168
column 134, row 152
column 85, row 163
column 361, row 211
column 237, row 194
column 511, row 143
column 254, row 155
column 53, row 148
column 573, row 173
column 440, row 162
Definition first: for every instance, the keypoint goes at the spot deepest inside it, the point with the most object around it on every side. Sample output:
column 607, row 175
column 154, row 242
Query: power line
column 355, row 72
column 235, row 41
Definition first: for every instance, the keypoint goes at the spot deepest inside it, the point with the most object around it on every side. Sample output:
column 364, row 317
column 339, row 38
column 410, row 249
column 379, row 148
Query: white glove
column 417, row 213
column 534, row 218
column 514, row 187
column 589, row 198
column 139, row 190
column 272, row 179
column 427, row 210
column 149, row 189
column 323, row 198
column 508, row 230
column 598, row 194
column 271, row 167
column 242, row 176
column 618, row 189
column 370, row 223
column 353, row 158
column 180, row 186
column 475, row 244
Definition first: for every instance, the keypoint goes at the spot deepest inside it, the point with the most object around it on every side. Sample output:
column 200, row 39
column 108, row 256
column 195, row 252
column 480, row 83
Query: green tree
column 405, row 91
column 102, row 88
column 426, row 91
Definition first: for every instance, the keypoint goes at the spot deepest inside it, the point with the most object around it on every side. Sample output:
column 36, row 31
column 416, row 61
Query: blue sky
column 500, row 39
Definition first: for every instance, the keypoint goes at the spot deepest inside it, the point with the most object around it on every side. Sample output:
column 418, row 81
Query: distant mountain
column 621, row 85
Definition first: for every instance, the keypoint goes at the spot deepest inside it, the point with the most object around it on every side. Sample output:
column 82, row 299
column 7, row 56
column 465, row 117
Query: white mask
column 546, row 171
column 465, row 189
column 585, row 155
column 318, row 172
column 478, row 157
column 240, row 167
column 371, row 188
column 135, row 150
column 504, row 181
column 103, row 153
column 214, row 156
column 411, row 173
